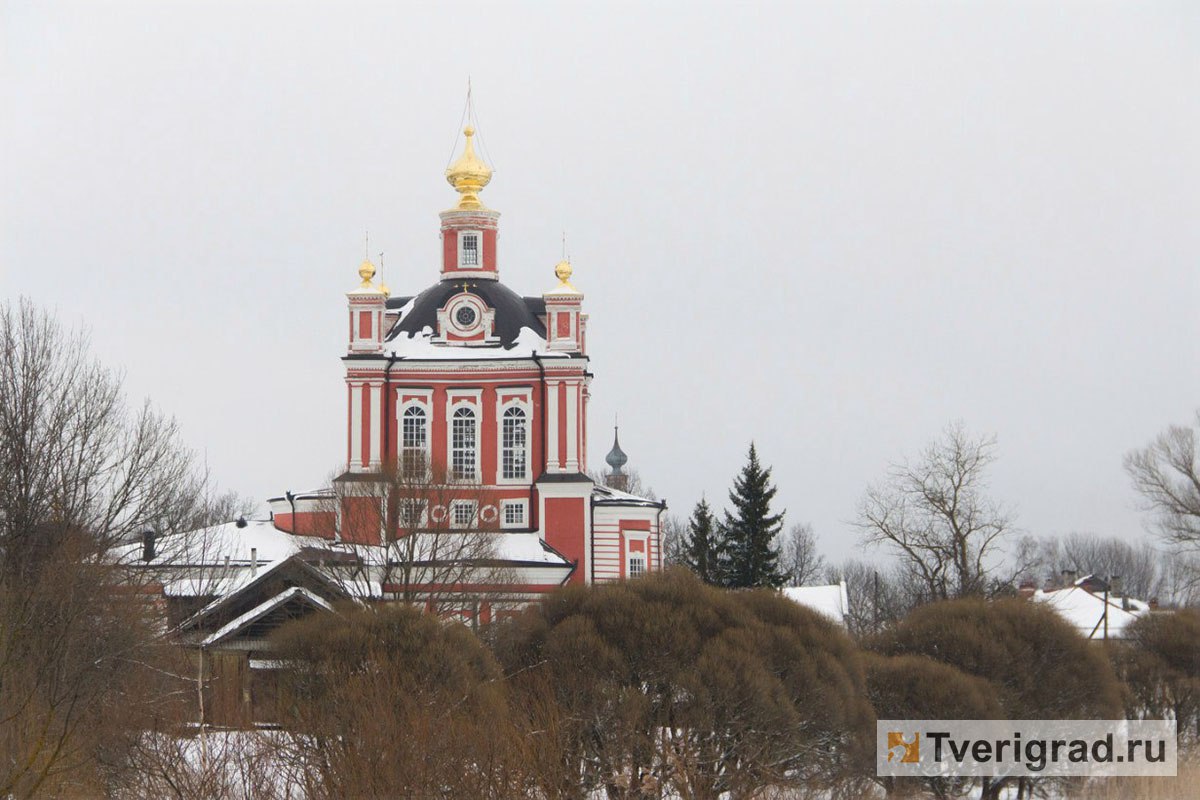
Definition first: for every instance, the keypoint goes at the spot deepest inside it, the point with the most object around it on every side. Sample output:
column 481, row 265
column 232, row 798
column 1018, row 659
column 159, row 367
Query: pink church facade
column 484, row 392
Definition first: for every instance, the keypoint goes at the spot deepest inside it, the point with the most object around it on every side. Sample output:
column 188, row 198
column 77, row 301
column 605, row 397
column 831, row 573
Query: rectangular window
column 462, row 444
column 513, row 438
column 462, row 513
column 469, row 250
column 411, row 512
column 637, row 566
column 513, row 513
column 414, row 439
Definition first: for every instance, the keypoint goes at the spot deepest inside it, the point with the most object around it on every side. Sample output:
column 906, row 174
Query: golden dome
column 469, row 175
column 563, row 272
column 366, row 271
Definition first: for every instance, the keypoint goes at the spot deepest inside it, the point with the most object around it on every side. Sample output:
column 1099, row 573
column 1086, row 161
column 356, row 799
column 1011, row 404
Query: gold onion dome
column 366, row 271
column 469, row 175
column 563, row 272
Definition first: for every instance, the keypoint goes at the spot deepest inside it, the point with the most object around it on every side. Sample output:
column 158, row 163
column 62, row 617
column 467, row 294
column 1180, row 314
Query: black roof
column 513, row 312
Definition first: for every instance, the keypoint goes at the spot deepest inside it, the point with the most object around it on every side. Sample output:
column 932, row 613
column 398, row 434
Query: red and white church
column 483, row 389
column 489, row 389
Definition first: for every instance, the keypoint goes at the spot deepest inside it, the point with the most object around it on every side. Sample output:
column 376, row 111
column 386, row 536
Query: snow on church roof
column 517, row 326
column 607, row 494
column 259, row 540
column 420, row 345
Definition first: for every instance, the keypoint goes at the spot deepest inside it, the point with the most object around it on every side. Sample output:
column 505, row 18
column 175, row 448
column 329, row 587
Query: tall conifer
column 703, row 546
column 751, row 530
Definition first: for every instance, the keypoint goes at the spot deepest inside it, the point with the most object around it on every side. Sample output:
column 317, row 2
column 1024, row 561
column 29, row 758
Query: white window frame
column 422, row 519
column 521, row 504
column 455, row 505
column 423, row 406
column 523, row 404
column 644, row 554
column 630, row 559
column 463, row 400
column 461, row 238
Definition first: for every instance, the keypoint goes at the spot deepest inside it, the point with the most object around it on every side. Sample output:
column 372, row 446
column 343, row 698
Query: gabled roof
column 239, row 591
column 268, row 615
column 1085, row 611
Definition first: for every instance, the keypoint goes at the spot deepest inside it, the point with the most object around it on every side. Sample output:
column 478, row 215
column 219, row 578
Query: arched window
column 462, row 445
column 414, row 440
column 514, row 444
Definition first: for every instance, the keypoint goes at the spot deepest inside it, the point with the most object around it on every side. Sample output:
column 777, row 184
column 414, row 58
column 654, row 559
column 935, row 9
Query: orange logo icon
column 907, row 752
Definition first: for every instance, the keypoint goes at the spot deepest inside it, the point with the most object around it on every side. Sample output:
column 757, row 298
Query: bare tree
column 1179, row 580
column 798, row 556
column 877, row 597
column 1166, row 473
column 82, row 665
column 674, row 537
column 935, row 516
column 427, row 538
column 1108, row 558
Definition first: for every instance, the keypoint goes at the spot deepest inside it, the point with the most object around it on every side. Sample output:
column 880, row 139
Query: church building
column 466, row 422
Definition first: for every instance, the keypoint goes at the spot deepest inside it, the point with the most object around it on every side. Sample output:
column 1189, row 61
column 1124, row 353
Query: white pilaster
column 572, row 431
column 376, row 390
column 552, row 432
column 356, row 423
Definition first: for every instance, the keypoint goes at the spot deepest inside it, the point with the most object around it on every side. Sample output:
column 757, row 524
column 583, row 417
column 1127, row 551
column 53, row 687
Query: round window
column 465, row 316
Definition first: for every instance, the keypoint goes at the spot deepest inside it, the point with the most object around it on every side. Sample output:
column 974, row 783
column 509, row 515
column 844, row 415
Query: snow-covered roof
column 420, row 345
column 265, row 608
column 832, row 600
column 517, row 547
column 1085, row 610
column 607, row 494
column 258, row 539
column 225, row 588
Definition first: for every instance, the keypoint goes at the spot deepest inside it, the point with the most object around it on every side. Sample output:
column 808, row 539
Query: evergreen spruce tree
column 750, row 532
column 702, row 545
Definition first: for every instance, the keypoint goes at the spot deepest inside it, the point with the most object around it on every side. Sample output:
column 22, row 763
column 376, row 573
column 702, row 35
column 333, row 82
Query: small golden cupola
column 468, row 175
column 366, row 271
column 566, row 324
column 368, row 312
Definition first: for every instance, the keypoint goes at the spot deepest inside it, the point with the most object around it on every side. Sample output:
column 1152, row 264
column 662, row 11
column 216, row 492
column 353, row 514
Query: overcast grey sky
column 832, row 228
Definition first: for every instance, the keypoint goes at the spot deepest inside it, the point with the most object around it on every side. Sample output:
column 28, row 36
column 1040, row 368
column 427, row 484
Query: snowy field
column 262, row 765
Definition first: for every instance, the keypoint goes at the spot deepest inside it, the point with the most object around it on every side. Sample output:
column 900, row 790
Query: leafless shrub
column 666, row 685
column 392, row 702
